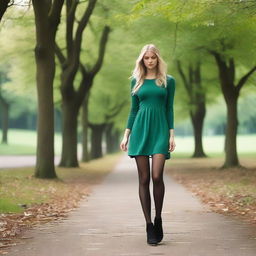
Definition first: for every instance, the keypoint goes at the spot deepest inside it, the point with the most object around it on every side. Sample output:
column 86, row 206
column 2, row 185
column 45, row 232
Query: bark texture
column 47, row 19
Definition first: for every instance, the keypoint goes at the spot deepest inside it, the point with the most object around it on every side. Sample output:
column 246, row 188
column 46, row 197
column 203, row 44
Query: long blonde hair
column 139, row 72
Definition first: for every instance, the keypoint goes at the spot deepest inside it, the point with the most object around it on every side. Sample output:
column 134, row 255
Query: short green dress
column 151, row 116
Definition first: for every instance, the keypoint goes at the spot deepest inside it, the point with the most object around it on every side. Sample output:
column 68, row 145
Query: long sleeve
column 169, row 103
column 134, row 107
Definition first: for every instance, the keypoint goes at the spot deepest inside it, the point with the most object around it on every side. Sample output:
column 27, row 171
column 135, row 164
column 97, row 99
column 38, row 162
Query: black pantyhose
column 144, row 181
column 158, row 162
column 143, row 166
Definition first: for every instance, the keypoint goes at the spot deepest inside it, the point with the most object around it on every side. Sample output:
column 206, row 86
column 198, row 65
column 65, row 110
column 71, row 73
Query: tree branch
column 74, row 58
column 182, row 74
column 244, row 78
column 71, row 6
column 115, row 110
column 102, row 48
column 81, row 26
column 85, row 83
column 55, row 11
column 60, row 55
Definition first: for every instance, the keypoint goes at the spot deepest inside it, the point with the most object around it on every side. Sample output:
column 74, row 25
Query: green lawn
column 23, row 142
column 18, row 186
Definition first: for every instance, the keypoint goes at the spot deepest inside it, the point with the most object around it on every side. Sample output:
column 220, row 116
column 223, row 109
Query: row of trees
column 204, row 43
column 223, row 30
column 60, row 32
column 48, row 16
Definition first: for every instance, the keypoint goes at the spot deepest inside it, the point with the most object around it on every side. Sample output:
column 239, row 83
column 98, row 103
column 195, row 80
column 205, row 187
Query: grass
column 14, row 149
column 23, row 142
column 181, row 155
column 8, row 205
column 19, row 187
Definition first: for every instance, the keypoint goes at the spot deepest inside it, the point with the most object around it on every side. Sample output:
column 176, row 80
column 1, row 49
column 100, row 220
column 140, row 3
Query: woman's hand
column 172, row 144
column 123, row 144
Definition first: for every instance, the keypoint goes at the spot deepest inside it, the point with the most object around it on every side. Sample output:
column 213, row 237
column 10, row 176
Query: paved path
column 110, row 223
column 21, row 161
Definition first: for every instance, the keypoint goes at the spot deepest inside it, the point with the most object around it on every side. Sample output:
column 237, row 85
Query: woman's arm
column 133, row 110
column 171, row 133
column 127, row 133
column 169, row 104
column 169, row 111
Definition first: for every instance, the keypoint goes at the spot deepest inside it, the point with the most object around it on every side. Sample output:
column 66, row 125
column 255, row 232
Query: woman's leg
column 158, row 161
column 143, row 167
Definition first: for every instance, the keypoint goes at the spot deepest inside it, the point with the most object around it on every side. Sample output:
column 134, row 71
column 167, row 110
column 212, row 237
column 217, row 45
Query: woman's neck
column 150, row 75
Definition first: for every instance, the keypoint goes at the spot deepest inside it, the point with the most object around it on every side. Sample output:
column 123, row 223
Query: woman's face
column 150, row 60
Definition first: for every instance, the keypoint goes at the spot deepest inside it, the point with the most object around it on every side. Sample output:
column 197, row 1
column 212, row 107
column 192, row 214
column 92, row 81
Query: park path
column 110, row 222
column 21, row 161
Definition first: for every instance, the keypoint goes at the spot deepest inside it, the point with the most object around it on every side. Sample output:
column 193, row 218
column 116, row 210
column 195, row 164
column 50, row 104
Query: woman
column 150, row 131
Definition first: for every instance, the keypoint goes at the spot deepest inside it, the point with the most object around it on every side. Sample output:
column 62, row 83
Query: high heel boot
column 158, row 229
column 151, row 236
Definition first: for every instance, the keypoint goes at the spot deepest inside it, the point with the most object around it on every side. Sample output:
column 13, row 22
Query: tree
column 108, row 112
column 193, row 85
column 47, row 19
column 230, row 92
column 85, row 150
column 72, row 99
column 4, row 113
column 227, row 32
column 112, row 136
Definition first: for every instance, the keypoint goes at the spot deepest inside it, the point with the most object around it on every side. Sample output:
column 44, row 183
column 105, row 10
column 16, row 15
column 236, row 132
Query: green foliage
column 17, row 61
column 197, row 27
column 184, row 30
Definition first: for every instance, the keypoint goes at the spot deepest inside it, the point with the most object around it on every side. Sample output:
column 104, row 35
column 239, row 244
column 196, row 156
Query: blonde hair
column 139, row 72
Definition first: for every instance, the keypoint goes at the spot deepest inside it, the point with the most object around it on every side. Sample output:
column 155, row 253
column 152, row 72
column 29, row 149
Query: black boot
column 151, row 236
column 158, row 229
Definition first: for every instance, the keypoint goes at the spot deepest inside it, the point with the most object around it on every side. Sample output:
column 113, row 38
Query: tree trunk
column 110, row 138
column 5, row 121
column 96, row 140
column 231, row 94
column 193, row 85
column 116, row 136
column 231, row 157
column 45, row 122
column 85, row 151
column 230, row 91
column 197, row 120
column 47, row 19
column 69, row 135
column 3, row 7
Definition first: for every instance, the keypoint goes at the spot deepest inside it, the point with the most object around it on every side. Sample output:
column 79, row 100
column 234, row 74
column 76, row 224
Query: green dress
column 151, row 116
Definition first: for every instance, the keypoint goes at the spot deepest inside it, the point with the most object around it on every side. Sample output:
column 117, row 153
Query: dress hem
column 150, row 155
